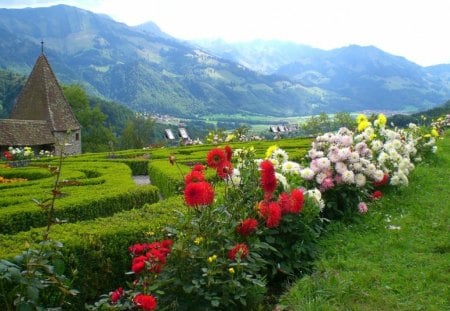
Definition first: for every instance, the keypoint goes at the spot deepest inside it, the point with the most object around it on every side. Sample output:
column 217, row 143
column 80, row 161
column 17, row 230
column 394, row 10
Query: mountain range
column 149, row 70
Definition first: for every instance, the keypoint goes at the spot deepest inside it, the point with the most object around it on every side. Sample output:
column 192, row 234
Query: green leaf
column 33, row 293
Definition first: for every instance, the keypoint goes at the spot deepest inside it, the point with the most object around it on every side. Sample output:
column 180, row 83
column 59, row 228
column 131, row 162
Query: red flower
column 247, row 226
column 228, row 152
column 224, row 169
column 240, row 250
column 8, row 155
column 285, row 203
column 296, row 199
column 268, row 179
column 382, row 182
column 215, row 157
column 145, row 302
column 377, row 195
column 274, row 215
column 198, row 193
column 194, row 176
column 138, row 264
column 137, row 249
column 116, row 295
column 198, row 167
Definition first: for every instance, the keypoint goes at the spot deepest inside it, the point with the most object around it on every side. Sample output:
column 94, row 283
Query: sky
column 415, row 29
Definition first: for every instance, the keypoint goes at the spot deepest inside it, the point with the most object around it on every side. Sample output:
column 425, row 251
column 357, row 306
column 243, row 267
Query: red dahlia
column 225, row 169
column 377, row 195
column 215, row 157
column 239, row 251
column 382, row 182
column 228, row 152
column 198, row 193
column 194, row 176
column 116, row 295
column 268, row 179
column 247, row 226
column 198, row 167
column 296, row 199
column 274, row 218
column 145, row 302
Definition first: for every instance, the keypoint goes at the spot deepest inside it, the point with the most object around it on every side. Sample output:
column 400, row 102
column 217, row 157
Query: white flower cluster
column 337, row 158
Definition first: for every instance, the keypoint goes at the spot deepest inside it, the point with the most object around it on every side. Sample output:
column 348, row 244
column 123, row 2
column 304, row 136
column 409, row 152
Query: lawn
column 396, row 257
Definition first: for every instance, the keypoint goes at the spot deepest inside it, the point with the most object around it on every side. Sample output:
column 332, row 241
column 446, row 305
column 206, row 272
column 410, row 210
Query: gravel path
column 141, row 180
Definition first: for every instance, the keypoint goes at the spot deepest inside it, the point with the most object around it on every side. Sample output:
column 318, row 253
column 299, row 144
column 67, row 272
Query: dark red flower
column 377, row 195
column 382, row 182
column 116, row 295
column 194, row 176
column 215, row 157
column 268, row 179
column 240, row 251
column 225, row 169
column 228, row 152
column 247, row 226
column 198, row 193
column 145, row 302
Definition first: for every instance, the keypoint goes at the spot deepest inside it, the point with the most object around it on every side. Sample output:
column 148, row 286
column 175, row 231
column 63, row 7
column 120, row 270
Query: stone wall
column 71, row 141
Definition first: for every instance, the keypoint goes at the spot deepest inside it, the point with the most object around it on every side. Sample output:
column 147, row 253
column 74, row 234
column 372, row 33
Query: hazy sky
column 415, row 29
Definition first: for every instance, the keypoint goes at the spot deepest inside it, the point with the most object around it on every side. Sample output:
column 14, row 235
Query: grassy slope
column 367, row 266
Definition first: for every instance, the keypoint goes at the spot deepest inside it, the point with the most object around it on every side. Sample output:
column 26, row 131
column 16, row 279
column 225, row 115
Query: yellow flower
column 373, row 136
column 382, row 119
column 198, row 240
column 231, row 270
column 427, row 135
column 212, row 258
column 230, row 137
column 270, row 150
column 434, row 133
column 363, row 125
column 361, row 118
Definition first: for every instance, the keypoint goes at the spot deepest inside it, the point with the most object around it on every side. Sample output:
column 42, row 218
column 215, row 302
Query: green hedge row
column 98, row 248
column 101, row 190
column 167, row 177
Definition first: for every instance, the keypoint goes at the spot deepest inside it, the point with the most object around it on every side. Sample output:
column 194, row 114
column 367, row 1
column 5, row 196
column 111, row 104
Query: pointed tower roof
column 43, row 99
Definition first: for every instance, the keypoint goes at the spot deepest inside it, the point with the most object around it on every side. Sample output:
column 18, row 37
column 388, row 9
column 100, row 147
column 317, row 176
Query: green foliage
column 10, row 85
column 322, row 123
column 95, row 135
column 137, row 133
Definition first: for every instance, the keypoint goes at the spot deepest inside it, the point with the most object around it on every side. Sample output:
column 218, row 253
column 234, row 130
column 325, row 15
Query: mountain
column 371, row 78
column 146, row 69
column 265, row 56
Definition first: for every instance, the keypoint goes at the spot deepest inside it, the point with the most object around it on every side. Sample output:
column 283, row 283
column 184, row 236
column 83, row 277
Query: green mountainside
column 371, row 78
column 145, row 69
column 148, row 70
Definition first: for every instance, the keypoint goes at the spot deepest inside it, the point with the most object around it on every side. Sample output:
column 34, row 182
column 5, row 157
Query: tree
column 138, row 133
column 95, row 135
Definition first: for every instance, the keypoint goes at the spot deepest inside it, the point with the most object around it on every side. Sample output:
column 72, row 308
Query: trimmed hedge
column 108, row 191
column 167, row 177
column 99, row 248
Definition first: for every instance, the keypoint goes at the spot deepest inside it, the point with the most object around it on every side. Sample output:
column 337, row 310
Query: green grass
column 397, row 257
